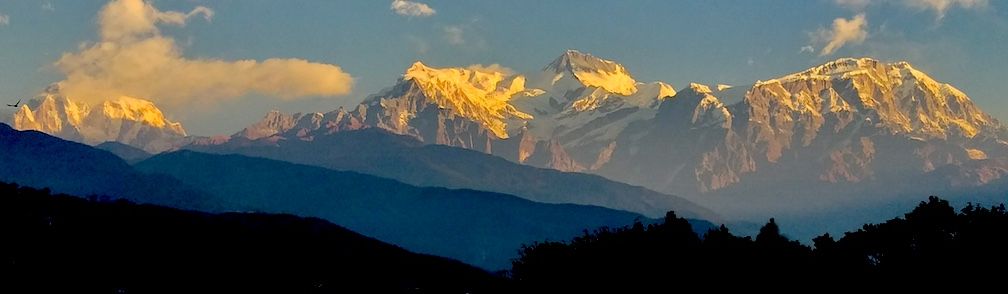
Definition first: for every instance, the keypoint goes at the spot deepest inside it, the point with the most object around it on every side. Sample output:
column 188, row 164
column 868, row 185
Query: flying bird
column 15, row 104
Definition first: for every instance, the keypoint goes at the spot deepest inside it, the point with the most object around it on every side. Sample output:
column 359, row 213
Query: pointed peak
column 574, row 52
column 700, row 88
column 593, row 71
column 417, row 66
column 665, row 90
column 574, row 60
column 903, row 64
column 273, row 114
column 570, row 54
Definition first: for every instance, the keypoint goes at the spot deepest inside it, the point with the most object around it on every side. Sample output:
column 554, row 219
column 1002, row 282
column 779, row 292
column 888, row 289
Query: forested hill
column 933, row 241
column 64, row 244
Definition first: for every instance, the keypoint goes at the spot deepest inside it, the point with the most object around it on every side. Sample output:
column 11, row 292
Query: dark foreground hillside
column 74, row 245
column 933, row 245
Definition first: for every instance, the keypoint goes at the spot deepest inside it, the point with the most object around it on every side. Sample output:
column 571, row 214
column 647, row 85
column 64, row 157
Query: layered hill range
column 848, row 121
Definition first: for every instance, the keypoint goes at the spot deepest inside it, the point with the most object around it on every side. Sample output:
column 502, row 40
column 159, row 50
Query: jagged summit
column 493, row 85
column 700, row 88
column 574, row 60
column 124, row 119
column 845, row 67
column 593, row 72
column 276, row 122
column 852, row 120
column 902, row 98
column 475, row 93
column 133, row 109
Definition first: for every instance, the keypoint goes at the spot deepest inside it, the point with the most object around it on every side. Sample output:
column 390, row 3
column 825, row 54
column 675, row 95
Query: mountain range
column 35, row 159
column 485, row 229
column 831, row 137
column 835, row 130
column 480, row 228
column 127, row 120
column 403, row 158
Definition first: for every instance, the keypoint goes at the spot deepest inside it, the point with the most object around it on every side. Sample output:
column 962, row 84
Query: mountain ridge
column 128, row 120
column 851, row 121
column 480, row 228
column 408, row 160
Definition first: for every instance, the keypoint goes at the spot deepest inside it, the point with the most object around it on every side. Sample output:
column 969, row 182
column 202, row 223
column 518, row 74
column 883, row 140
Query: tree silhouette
column 932, row 239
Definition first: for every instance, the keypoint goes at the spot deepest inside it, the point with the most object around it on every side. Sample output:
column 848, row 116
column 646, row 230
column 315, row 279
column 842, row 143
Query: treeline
column 932, row 245
column 65, row 244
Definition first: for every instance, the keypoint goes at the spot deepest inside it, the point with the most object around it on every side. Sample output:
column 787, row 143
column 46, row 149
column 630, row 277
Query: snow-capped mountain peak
column 904, row 99
column 700, row 88
column 592, row 71
column 139, row 110
column 472, row 81
column 127, row 120
column 476, row 93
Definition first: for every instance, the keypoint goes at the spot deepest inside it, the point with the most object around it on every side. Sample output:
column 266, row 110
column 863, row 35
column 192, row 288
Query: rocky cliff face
column 847, row 121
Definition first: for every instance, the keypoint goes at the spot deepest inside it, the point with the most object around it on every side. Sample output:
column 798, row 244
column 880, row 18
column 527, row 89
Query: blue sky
column 961, row 42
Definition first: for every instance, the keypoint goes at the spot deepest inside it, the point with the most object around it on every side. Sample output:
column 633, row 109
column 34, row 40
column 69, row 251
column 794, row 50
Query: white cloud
column 411, row 8
column 843, row 32
column 492, row 68
column 856, row 5
column 48, row 6
column 455, row 35
column 138, row 18
column 940, row 7
column 420, row 45
column 807, row 48
column 4, row 19
column 134, row 59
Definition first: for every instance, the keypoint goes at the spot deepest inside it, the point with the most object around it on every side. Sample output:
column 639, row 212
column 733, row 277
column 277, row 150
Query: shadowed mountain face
column 61, row 244
column 402, row 158
column 481, row 228
column 128, row 153
column 36, row 159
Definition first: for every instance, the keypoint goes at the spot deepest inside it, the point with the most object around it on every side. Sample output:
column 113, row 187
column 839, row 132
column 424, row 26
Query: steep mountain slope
column 840, row 129
column 35, row 159
column 481, row 228
column 405, row 159
column 128, row 153
column 61, row 244
column 565, row 116
column 816, row 140
column 126, row 120
column 586, row 101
